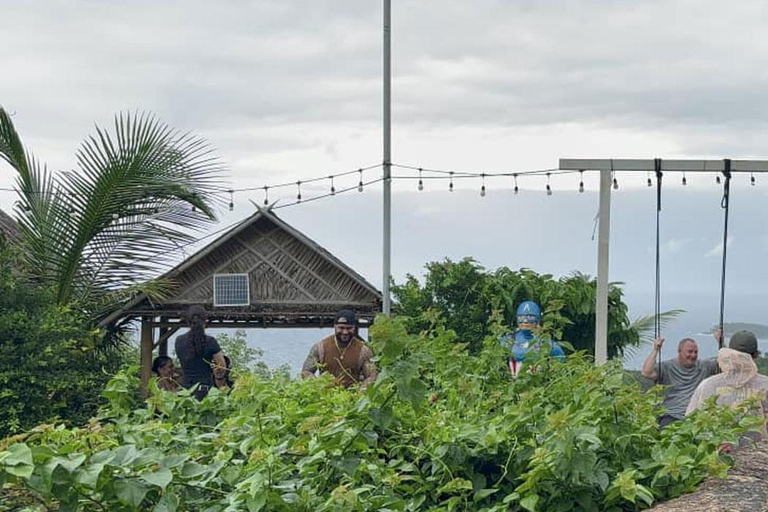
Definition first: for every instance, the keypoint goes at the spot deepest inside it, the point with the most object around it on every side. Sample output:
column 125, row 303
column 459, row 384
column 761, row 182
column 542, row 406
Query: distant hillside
column 760, row 330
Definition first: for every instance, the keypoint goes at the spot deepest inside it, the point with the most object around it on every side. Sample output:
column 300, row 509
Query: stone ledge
column 745, row 489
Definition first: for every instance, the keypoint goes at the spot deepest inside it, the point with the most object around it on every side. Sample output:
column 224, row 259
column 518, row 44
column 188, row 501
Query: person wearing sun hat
column 342, row 354
column 738, row 381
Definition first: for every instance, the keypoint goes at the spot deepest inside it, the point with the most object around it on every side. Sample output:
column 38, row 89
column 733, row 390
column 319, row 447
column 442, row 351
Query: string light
column 450, row 183
column 266, row 195
column 360, row 185
column 650, row 183
column 615, row 182
column 231, row 200
column 298, row 194
column 421, row 183
column 717, row 179
column 516, row 189
column 685, row 181
column 482, row 189
column 581, row 181
column 549, row 189
column 333, row 189
column 752, row 179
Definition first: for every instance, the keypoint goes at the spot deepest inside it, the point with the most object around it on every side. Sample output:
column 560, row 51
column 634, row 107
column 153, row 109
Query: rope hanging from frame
column 725, row 205
column 657, row 305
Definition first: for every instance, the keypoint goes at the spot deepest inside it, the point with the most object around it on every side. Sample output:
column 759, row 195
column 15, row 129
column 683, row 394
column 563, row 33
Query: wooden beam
column 166, row 331
column 146, row 353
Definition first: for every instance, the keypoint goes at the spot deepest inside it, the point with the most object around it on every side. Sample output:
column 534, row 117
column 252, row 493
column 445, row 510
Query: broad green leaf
column 160, row 478
column 168, row 502
column 130, row 491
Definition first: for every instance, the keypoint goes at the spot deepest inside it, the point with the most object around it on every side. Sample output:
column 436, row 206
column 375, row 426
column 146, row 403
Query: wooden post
column 146, row 353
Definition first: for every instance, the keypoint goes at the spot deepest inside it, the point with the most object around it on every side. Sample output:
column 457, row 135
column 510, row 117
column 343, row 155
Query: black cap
column 345, row 317
column 744, row 341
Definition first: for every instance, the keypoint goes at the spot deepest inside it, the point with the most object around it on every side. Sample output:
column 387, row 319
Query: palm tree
column 103, row 231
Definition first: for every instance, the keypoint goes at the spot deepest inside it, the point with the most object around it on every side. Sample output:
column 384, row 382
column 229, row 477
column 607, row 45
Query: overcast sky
column 287, row 90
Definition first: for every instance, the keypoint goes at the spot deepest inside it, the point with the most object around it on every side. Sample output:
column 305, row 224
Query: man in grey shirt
column 682, row 376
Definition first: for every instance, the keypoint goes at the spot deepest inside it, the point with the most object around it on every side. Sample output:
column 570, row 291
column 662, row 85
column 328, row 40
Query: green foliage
column 97, row 235
column 244, row 358
column 464, row 295
column 441, row 429
column 48, row 365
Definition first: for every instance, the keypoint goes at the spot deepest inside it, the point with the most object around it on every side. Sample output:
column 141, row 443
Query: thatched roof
column 292, row 281
column 8, row 226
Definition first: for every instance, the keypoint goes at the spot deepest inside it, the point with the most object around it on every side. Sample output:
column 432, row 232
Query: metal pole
column 601, row 324
column 387, row 163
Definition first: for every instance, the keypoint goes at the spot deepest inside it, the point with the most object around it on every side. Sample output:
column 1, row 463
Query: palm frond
column 644, row 327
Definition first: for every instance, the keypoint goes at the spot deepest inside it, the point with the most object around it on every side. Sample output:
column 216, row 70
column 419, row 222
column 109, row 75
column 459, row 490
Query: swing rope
column 657, row 307
column 724, row 204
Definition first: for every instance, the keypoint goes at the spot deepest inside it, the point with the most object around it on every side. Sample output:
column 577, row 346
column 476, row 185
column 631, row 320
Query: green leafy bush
column 464, row 294
column 49, row 365
column 441, row 429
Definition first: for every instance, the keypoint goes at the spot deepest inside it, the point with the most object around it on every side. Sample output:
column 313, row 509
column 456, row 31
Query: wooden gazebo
column 261, row 273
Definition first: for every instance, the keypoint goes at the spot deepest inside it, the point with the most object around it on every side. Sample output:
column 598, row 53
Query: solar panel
column 231, row 290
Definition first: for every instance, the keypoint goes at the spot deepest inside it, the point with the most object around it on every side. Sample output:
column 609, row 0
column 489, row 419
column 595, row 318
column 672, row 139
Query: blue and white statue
column 523, row 340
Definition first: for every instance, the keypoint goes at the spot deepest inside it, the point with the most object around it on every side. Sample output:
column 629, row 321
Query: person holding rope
column 342, row 354
column 682, row 375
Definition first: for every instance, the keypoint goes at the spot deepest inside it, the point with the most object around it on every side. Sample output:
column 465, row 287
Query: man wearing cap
column 682, row 375
column 738, row 381
column 343, row 354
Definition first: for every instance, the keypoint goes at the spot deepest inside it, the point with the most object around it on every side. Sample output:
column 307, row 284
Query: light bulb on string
column 717, row 179
column 581, row 181
column 450, row 183
column 360, row 185
column 231, row 200
column 421, row 183
column 685, row 181
column 516, row 189
column 549, row 189
column 752, row 179
column 266, row 195
column 482, row 189
column 333, row 189
column 298, row 193
column 615, row 182
column 650, row 183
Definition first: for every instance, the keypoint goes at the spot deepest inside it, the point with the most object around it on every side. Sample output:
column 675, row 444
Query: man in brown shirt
column 343, row 354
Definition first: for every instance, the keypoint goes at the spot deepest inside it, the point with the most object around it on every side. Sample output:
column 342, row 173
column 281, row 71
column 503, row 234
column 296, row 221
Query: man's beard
column 342, row 342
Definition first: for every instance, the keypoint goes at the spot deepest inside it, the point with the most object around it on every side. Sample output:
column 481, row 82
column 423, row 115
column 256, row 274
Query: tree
column 464, row 295
column 48, row 366
column 100, row 233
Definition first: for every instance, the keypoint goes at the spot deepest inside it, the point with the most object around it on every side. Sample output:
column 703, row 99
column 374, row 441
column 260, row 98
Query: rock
column 745, row 489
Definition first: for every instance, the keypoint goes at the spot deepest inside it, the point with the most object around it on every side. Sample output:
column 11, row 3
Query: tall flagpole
column 387, row 161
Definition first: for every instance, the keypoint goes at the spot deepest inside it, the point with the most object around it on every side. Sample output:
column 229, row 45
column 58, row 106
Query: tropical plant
column 138, row 194
column 464, row 294
column 49, row 370
column 441, row 429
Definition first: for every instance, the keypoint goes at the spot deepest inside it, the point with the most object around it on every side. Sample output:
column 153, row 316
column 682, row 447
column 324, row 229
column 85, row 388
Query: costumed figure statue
column 523, row 339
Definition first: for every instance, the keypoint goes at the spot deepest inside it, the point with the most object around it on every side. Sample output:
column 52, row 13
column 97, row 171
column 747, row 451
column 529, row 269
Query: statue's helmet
column 528, row 315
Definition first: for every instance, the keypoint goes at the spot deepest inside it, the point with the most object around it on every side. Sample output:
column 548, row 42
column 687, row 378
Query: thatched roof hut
column 261, row 273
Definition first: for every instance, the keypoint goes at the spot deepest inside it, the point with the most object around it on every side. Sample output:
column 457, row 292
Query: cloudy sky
column 288, row 90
